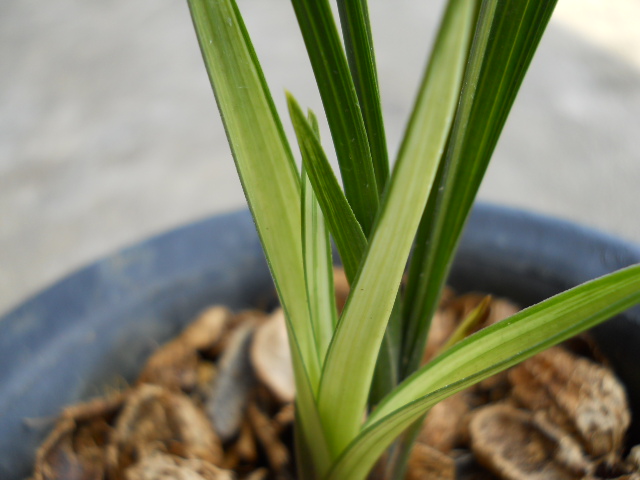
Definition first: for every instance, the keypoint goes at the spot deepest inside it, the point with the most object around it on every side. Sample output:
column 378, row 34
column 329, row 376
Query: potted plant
column 365, row 363
column 368, row 359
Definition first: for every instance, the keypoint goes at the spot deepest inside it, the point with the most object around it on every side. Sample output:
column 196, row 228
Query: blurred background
column 109, row 132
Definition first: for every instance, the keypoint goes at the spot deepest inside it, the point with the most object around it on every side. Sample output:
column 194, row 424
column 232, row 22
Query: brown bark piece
column 153, row 420
column 103, row 407
column 245, row 446
column 75, row 448
column 168, row 467
column 174, row 365
column 206, row 373
column 576, row 394
column 57, row 459
column 508, row 442
column 468, row 468
column 426, row 462
column 493, row 389
column 500, row 309
column 259, row 474
column 207, row 329
column 231, row 458
column 444, row 426
column 271, row 358
column 569, row 452
column 633, row 459
column 443, row 325
column 285, row 417
column 276, row 452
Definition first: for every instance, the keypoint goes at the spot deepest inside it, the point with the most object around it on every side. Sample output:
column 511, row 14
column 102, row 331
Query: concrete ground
column 109, row 132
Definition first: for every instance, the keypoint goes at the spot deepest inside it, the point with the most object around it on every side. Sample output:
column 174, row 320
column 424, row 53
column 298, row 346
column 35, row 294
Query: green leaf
column 360, row 457
column 318, row 265
column 485, row 353
column 349, row 238
column 469, row 323
column 341, row 107
column 354, row 349
column 344, row 227
column 356, row 31
column 262, row 156
column 311, row 446
column 506, row 38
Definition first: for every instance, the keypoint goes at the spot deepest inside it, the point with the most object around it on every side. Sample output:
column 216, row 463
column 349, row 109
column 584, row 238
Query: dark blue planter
column 96, row 327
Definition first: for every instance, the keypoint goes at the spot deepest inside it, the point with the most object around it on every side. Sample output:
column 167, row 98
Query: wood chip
column 169, row 467
column 426, row 462
column 442, row 327
column 493, row 389
column 75, row 447
column 501, row 309
column 468, row 468
column 153, row 420
column 510, row 443
column 58, row 458
column 285, row 417
column 206, row 374
column 633, row 459
column 576, row 394
column 444, row 426
column 259, row 474
column 271, row 358
column 207, row 329
column 245, row 446
column 102, row 407
column 173, row 366
column 277, row 453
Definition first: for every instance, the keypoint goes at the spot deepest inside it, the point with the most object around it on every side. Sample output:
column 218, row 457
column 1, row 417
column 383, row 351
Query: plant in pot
column 361, row 391
column 359, row 384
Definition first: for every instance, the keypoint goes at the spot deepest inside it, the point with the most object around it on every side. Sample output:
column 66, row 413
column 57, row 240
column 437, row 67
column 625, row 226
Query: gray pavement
column 109, row 133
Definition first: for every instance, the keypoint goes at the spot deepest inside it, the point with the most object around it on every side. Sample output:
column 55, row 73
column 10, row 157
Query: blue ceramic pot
column 97, row 326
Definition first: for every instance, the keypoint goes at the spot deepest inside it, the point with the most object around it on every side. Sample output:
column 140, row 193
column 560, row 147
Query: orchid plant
column 360, row 387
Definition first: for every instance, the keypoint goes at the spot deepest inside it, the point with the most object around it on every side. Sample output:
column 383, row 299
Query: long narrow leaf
column 508, row 34
column 524, row 334
column 318, row 270
column 488, row 352
column 354, row 349
column 341, row 107
column 343, row 225
column 349, row 238
column 310, row 439
column 262, row 156
column 356, row 31
column 318, row 265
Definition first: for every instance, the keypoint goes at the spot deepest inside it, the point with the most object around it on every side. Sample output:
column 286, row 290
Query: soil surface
column 216, row 403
